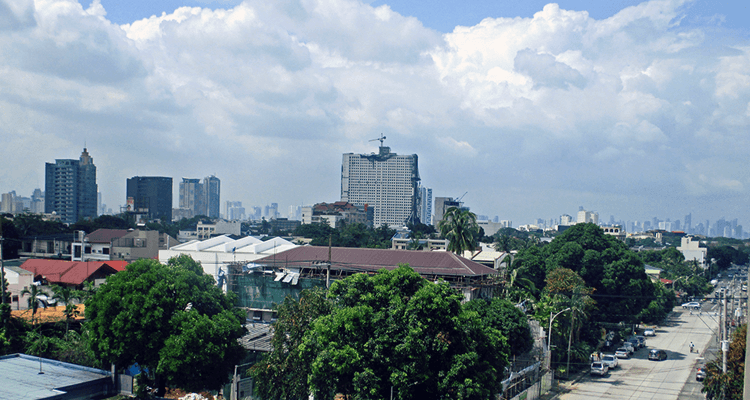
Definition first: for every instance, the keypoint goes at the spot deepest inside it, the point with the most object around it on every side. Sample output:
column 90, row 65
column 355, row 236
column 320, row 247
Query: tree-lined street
column 640, row 378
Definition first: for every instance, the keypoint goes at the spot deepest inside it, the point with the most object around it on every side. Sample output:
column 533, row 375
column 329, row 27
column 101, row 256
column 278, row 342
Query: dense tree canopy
column 170, row 319
column 283, row 373
column 726, row 255
column 395, row 331
column 614, row 273
column 347, row 235
column 733, row 381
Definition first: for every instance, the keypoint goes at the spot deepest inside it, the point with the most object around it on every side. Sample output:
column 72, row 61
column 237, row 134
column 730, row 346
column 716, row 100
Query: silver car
column 610, row 360
column 622, row 353
column 599, row 368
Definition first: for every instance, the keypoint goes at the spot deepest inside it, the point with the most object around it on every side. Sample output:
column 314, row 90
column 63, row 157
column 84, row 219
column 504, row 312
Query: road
column 673, row 378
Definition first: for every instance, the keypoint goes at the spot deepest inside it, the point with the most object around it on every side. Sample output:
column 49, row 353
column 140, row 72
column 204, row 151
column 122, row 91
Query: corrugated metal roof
column 345, row 258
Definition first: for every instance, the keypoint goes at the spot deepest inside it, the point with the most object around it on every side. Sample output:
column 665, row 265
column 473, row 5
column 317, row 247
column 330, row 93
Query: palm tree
column 460, row 228
column 33, row 300
column 66, row 295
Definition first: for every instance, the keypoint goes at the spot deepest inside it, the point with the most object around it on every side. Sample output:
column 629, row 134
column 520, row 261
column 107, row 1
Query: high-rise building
column 150, row 197
column 442, row 204
column 386, row 181
column 212, row 191
column 587, row 216
column 191, row 196
column 235, row 211
column 425, row 205
column 70, row 188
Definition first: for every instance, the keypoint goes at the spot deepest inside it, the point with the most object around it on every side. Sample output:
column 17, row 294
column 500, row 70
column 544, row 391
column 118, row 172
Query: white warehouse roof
column 216, row 253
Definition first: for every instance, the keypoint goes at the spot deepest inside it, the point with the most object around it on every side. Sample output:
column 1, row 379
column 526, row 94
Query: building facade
column 442, row 204
column 70, row 188
column 212, row 190
column 425, row 205
column 386, row 181
column 150, row 197
column 191, row 197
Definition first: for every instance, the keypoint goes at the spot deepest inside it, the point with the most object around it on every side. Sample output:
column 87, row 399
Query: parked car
column 649, row 332
column 610, row 360
column 622, row 352
column 599, row 368
column 638, row 341
column 629, row 346
column 657, row 355
column 692, row 305
column 700, row 375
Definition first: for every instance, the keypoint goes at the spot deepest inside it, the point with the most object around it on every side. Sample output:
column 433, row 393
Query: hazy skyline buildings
column 70, row 188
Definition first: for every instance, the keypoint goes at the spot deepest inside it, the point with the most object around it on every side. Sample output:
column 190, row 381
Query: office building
column 425, row 205
column 386, row 181
column 70, row 188
column 150, row 197
column 442, row 204
column 235, row 211
column 191, row 199
column 212, row 191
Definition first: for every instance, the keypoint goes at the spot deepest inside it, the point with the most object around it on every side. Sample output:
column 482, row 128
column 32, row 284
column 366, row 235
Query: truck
column 714, row 282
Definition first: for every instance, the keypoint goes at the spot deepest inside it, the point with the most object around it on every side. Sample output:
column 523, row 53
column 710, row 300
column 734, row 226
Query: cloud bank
column 633, row 115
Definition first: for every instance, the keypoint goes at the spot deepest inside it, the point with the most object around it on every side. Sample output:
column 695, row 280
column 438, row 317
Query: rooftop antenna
column 380, row 139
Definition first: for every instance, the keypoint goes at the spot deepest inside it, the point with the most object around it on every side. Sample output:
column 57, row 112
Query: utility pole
column 746, row 388
column 2, row 266
column 328, row 270
column 725, row 341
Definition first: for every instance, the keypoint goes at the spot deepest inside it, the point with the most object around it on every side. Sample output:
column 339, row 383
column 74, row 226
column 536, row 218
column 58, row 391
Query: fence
column 528, row 384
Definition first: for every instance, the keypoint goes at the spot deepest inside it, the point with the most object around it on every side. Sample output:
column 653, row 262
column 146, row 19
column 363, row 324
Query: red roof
column 69, row 272
column 425, row 263
column 666, row 281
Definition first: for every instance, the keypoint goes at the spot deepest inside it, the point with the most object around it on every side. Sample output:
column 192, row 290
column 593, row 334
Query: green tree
column 170, row 319
column 283, row 373
column 11, row 239
column 396, row 330
column 33, row 301
column 66, row 295
column 731, row 383
column 504, row 316
column 460, row 228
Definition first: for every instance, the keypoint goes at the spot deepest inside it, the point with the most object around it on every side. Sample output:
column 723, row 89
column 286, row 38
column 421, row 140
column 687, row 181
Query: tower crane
column 381, row 139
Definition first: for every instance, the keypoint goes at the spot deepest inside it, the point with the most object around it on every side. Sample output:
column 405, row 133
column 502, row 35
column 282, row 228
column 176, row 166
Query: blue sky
column 636, row 110
column 444, row 15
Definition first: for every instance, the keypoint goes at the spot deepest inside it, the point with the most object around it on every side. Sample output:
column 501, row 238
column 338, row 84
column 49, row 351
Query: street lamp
column 549, row 337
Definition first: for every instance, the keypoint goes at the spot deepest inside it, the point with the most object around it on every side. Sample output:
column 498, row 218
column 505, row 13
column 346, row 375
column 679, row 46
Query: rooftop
column 20, row 378
column 70, row 272
column 426, row 263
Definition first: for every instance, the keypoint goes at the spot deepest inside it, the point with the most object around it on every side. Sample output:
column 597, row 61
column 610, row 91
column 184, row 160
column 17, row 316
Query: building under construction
column 266, row 282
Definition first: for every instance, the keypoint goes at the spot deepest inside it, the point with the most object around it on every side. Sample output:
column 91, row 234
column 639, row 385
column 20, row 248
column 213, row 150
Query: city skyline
column 629, row 109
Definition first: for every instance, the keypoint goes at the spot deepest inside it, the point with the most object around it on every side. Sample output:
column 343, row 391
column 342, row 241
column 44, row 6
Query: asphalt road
column 673, row 378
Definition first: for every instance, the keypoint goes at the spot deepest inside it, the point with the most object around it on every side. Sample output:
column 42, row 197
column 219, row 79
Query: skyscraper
column 70, row 188
column 425, row 205
column 386, row 181
column 191, row 196
column 150, row 197
column 212, row 190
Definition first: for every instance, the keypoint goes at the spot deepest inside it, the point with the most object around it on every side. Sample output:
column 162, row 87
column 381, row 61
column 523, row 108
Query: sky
column 636, row 110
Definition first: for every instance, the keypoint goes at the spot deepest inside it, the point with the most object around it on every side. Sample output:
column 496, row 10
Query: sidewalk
column 561, row 387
